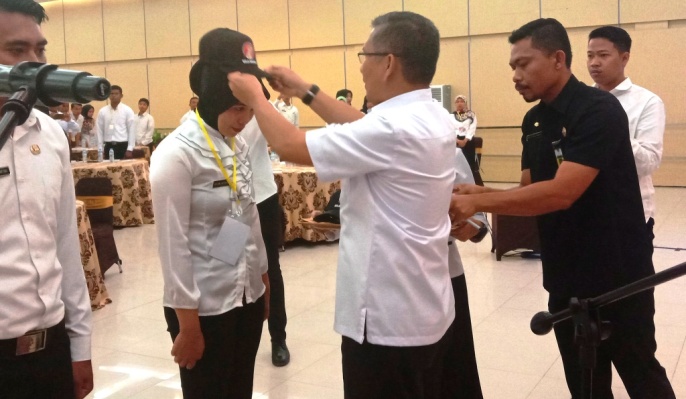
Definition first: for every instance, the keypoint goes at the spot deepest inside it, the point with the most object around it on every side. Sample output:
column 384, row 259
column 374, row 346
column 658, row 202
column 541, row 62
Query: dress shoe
column 280, row 354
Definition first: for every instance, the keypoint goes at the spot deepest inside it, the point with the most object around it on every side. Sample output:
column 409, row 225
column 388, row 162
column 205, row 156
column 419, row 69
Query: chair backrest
column 96, row 193
column 138, row 153
column 478, row 147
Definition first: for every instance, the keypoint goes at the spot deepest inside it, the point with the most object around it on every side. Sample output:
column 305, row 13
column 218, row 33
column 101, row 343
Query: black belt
column 32, row 341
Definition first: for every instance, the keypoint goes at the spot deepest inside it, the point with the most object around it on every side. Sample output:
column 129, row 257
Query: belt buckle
column 32, row 341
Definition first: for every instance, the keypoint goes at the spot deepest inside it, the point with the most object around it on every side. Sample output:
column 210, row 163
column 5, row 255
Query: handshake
column 463, row 223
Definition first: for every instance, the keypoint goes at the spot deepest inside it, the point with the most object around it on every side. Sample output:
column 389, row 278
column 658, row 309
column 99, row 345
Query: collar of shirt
column 624, row 86
column 405, row 98
column 196, row 138
column 32, row 121
column 564, row 99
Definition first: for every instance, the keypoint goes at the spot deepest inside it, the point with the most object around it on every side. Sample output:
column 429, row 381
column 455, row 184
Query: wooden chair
column 96, row 193
column 514, row 232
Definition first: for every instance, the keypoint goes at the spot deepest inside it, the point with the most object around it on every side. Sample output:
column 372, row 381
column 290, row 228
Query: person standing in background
column 192, row 104
column 145, row 124
column 116, row 126
column 609, row 49
column 76, row 113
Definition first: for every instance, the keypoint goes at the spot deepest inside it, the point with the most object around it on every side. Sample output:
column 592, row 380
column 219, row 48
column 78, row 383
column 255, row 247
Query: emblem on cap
column 35, row 149
column 536, row 124
column 564, row 132
column 249, row 53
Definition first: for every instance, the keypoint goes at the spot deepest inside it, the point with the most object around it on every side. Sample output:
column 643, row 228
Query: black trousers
column 460, row 378
column 376, row 371
column 119, row 148
column 43, row 374
column 631, row 348
column 271, row 221
column 227, row 366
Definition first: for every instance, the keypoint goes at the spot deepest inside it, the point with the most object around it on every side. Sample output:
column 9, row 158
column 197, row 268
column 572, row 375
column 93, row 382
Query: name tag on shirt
column 230, row 243
column 4, row 171
column 220, row 183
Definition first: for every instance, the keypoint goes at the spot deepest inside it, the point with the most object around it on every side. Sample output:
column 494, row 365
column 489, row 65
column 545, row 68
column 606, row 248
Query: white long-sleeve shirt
column 646, row 113
column 40, row 260
column 145, row 128
column 117, row 125
column 191, row 201
column 465, row 124
column 396, row 166
column 263, row 174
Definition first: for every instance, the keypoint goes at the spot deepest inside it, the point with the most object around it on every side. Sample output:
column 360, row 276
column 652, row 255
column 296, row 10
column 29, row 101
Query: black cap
column 222, row 50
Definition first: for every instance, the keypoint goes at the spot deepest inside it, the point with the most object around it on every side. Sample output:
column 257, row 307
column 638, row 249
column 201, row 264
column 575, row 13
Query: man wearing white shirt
column 116, row 126
column 193, row 104
column 608, row 53
column 289, row 111
column 394, row 302
column 76, row 114
column 45, row 317
column 145, row 124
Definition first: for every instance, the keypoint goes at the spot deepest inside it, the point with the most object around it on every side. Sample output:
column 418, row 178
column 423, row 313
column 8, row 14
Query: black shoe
column 280, row 354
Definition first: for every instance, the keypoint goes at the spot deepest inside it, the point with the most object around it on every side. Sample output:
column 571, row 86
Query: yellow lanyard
column 232, row 184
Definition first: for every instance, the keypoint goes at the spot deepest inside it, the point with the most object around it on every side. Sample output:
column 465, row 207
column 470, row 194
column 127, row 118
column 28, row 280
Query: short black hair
column 116, row 87
column 343, row 92
column 144, row 100
column 547, row 34
column 618, row 36
column 26, row 7
column 73, row 105
column 413, row 38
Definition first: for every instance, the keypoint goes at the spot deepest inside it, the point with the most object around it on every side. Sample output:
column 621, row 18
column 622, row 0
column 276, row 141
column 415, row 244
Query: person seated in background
column 465, row 129
column 346, row 94
column 192, row 104
column 145, row 124
column 68, row 124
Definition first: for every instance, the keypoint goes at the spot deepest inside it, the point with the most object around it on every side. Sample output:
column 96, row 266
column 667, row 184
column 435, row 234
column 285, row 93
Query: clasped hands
column 462, row 208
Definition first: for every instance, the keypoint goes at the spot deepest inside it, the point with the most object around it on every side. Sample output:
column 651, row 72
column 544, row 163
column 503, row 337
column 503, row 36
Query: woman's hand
column 188, row 348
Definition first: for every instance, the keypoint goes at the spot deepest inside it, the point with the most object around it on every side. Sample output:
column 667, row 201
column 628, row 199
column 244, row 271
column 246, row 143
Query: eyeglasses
column 361, row 55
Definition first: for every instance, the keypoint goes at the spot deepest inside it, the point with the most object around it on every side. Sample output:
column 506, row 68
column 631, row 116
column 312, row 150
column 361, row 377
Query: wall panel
column 453, row 67
column 323, row 67
column 53, row 29
column 493, row 95
column 209, row 14
column 169, row 90
column 132, row 76
column 324, row 30
column 641, row 10
column 581, row 12
column 167, row 28
column 266, row 22
column 268, row 58
column 359, row 15
column 499, row 16
column 83, row 30
column 353, row 77
column 119, row 17
column 449, row 16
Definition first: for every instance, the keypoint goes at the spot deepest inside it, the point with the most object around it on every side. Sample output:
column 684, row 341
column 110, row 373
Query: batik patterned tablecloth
column 89, row 259
column 130, row 188
column 301, row 193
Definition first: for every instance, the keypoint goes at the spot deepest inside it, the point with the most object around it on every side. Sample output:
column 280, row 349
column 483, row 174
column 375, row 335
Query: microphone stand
column 589, row 330
column 16, row 111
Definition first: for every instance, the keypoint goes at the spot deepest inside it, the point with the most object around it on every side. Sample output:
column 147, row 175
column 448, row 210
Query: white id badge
column 230, row 243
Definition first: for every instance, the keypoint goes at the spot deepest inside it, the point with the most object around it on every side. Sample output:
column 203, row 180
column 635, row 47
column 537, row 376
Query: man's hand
column 128, row 155
column 461, row 143
column 188, row 348
column 83, row 378
column 461, row 208
column 463, row 231
column 245, row 87
column 287, row 82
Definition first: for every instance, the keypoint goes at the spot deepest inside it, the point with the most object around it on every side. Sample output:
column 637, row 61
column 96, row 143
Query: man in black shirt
column 579, row 177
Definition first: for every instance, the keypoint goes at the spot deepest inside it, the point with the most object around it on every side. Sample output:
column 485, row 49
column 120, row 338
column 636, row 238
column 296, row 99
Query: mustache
column 519, row 87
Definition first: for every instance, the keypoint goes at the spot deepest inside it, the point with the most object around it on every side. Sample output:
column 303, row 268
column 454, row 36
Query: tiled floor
column 131, row 347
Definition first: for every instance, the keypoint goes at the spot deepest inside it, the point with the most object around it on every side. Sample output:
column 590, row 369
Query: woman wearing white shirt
column 213, row 258
column 465, row 129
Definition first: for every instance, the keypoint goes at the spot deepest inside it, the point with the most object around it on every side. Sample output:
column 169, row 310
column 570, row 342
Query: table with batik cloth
column 92, row 153
column 301, row 193
column 89, row 259
column 132, row 200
